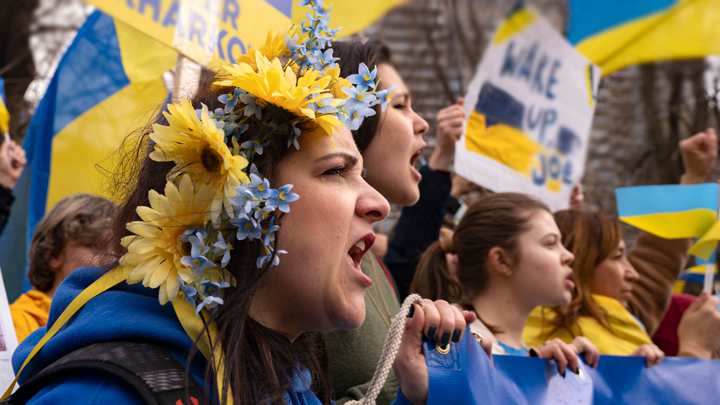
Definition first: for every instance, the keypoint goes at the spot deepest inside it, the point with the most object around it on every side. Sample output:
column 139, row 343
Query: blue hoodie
column 125, row 312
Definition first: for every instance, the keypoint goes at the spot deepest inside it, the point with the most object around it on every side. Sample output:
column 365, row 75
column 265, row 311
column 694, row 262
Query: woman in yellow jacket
column 605, row 287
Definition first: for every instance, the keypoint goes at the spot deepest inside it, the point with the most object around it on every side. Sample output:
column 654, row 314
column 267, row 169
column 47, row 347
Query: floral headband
column 215, row 194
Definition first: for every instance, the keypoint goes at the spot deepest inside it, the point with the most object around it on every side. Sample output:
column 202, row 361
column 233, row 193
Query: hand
column 449, row 130
column 699, row 329
column 563, row 354
column 461, row 186
column 12, row 163
column 577, row 197
column 589, row 351
column 439, row 321
column 653, row 355
column 699, row 153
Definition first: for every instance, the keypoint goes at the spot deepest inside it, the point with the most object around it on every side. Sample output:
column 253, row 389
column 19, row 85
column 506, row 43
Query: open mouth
column 569, row 283
column 358, row 250
column 414, row 157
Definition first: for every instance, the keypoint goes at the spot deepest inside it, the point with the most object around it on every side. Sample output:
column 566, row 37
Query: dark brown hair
column 352, row 52
column 495, row 220
column 591, row 237
column 80, row 218
column 259, row 362
column 433, row 279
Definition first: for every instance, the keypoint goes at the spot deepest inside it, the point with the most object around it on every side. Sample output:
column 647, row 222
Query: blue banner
column 465, row 375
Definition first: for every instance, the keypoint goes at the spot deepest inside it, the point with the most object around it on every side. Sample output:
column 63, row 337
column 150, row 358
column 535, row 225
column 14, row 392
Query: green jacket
column 354, row 354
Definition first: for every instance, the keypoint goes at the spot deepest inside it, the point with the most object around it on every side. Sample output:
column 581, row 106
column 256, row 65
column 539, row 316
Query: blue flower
column 364, row 77
column 321, row 107
column 197, row 263
column 254, row 145
column 259, row 186
column 294, row 137
column 383, row 97
column 221, row 247
column 281, row 197
column 210, row 303
column 303, row 3
column 263, row 259
column 359, row 98
column 297, row 51
column 244, row 201
column 270, row 233
column 355, row 117
column 326, row 60
column 197, row 241
column 263, row 214
column 247, row 228
column 190, row 292
column 231, row 100
column 253, row 105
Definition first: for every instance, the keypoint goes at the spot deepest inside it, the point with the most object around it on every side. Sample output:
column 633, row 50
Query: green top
column 354, row 354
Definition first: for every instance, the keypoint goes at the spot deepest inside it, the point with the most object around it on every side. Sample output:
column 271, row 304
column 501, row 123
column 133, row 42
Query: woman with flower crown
column 243, row 230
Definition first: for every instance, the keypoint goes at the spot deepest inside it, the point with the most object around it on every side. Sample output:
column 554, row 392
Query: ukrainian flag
column 4, row 114
column 617, row 33
column 669, row 211
column 108, row 82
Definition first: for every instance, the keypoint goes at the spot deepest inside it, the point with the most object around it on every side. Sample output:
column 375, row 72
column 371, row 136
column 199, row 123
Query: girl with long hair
column 509, row 261
column 391, row 142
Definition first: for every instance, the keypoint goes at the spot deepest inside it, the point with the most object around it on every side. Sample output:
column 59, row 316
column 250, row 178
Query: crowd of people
column 301, row 308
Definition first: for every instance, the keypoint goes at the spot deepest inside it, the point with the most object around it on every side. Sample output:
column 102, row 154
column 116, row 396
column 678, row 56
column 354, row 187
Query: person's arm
column 659, row 261
column 419, row 225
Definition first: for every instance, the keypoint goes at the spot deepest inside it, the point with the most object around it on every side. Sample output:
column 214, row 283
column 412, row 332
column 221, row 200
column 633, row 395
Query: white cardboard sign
column 529, row 109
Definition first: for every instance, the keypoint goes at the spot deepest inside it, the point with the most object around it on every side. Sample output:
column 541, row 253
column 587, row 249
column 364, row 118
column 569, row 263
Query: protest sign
column 528, row 113
column 216, row 32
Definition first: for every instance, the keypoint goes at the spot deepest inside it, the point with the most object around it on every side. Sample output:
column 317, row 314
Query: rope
column 390, row 349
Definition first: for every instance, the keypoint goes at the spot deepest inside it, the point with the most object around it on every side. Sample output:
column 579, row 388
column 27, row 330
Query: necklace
column 382, row 297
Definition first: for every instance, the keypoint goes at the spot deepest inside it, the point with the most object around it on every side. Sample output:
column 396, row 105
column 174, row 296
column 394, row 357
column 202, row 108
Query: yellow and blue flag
column 217, row 32
column 108, row 82
column 4, row 114
column 617, row 33
column 669, row 211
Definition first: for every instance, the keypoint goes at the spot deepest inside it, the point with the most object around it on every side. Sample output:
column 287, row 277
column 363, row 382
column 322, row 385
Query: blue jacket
column 125, row 312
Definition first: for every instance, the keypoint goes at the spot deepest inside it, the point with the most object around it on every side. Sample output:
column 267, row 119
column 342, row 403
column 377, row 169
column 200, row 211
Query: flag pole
column 187, row 78
column 709, row 278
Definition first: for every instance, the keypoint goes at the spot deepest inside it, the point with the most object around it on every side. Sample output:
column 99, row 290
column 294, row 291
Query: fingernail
column 412, row 311
column 563, row 374
column 431, row 332
column 445, row 339
column 577, row 370
column 456, row 336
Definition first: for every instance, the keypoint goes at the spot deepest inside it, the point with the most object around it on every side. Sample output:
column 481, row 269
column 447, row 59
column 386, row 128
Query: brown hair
column 591, row 237
column 433, row 279
column 80, row 218
column 495, row 220
column 352, row 52
column 259, row 362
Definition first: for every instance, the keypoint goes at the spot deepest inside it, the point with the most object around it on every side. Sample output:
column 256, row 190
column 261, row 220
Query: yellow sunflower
column 156, row 249
column 337, row 83
column 275, row 45
column 283, row 88
column 197, row 146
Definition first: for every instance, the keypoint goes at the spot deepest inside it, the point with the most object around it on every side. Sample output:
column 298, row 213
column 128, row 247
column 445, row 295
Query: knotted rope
column 390, row 350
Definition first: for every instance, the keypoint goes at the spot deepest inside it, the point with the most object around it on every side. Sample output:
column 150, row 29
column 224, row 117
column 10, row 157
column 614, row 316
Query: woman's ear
column 500, row 261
